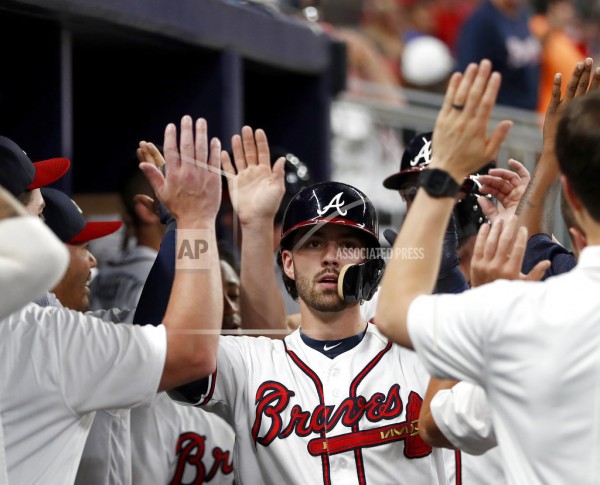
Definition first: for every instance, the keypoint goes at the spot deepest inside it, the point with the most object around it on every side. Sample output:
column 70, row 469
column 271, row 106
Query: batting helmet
column 330, row 203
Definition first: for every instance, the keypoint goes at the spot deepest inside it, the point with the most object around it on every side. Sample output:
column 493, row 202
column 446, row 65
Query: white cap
column 426, row 61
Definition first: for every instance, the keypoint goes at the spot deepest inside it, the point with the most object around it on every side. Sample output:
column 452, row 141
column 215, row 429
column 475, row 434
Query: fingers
column 460, row 98
column 492, row 240
column 513, row 245
column 186, row 139
column 226, row 164
column 170, row 146
column 584, row 80
column 238, row 153
column 480, row 242
column 537, row 273
column 146, row 201
column 154, row 176
column 249, row 146
column 595, row 79
column 453, row 83
column 279, row 169
column 262, row 145
column 201, row 142
column 479, row 87
column 521, row 171
column 556, row 94
column 574, row 81
column 214, row 161
column 488, row 208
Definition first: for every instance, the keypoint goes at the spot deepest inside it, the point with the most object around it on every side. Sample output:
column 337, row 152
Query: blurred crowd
column 418, row 43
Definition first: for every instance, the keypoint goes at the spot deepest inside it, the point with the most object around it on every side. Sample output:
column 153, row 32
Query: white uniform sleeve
column 32, row 261
column 106, row 366
column 450, row 332
column 463, row 415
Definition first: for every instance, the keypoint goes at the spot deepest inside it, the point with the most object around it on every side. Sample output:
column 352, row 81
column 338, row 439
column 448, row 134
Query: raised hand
column 460, row 142
column 191, row 188
column 499, row 251
column 255, row 188
column 507, row 186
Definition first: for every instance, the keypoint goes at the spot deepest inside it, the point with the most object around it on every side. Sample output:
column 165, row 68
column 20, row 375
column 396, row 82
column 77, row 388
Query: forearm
column 428, row 429
column 261, row 304
column 536, row 209
column 194, row 314
column 413, row 267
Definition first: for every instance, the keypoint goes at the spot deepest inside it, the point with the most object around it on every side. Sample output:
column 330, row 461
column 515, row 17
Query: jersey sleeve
column 450, row 332
column 32, row 261
column 105, row 366
column 463, row 415
column 541, row 247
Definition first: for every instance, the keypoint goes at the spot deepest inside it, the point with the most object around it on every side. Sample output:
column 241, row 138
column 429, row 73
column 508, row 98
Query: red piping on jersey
column 319, row 386
column 458, row 461
column 358, row 458
column 211, row 390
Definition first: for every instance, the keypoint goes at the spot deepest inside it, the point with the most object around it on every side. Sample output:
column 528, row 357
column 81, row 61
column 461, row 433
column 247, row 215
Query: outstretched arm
column 256, row 191
column 32, row 259
column 191, row 191
column 460, row 147
column 536, row 209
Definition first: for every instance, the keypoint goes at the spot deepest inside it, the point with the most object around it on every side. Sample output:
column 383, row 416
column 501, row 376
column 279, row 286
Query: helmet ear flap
column 360, row 281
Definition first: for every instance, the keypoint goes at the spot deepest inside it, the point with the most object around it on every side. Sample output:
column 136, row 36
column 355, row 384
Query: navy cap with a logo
column 416, row 157
column 64, row 217
column 330, row 203
column 19, row 174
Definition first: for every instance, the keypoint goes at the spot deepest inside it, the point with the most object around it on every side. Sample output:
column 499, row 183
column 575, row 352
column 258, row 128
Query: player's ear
column 288, row 263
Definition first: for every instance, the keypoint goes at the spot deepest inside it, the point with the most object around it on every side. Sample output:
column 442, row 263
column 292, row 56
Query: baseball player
column 60, row 366
column 334, row 402
column 176, row 445
column 31, row 261
column 532, row 346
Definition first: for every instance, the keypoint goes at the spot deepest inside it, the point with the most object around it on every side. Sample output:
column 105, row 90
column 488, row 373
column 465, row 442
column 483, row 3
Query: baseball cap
column 18, row 173
column 66, row 220
column 416, row 157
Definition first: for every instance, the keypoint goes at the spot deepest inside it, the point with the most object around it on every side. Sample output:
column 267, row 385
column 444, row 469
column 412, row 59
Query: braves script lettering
column 190, row 449
column 272, row 398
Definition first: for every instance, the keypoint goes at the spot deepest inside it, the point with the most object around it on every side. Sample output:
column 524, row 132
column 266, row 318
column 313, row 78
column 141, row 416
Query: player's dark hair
column 132, row 182
column 578, row 150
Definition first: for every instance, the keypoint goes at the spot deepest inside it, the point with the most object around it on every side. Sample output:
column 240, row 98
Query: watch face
column 437, row 181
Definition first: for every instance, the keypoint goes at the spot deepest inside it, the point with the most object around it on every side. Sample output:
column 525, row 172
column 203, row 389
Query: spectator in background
column 449, row 16
column 498, row 30
column 120, row 281
column 560, row 52
column 383, row 22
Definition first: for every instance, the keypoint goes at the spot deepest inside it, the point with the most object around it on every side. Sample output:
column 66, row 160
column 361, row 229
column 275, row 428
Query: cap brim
column 395, row 182
column 95, row 230
column 48, row 171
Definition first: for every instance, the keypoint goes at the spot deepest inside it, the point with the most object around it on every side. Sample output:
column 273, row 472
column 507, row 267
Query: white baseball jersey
column 301, row 417
column 464, row 416
column 32, row 260
column 58, row 367
column 119, row 283
column 177, row 445
column 533, row 347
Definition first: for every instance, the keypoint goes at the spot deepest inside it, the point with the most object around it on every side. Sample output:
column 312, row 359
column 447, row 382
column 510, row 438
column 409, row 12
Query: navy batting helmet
column 330, row 203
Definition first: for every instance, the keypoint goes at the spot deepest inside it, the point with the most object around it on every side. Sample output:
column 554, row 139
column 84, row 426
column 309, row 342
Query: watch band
column 438, row 183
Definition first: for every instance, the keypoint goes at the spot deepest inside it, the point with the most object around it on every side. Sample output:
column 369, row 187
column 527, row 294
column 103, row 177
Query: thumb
column 279, row 169
column 154, row 176
column 488, row 208
column 147, row 202
column 537, row 273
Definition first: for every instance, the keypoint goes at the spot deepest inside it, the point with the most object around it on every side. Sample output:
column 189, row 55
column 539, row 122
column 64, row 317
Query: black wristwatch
column 438, row 183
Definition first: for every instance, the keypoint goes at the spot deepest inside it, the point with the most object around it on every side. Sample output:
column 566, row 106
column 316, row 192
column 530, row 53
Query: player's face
column 316, row 263
column 36, row 203
column 73, row 290
column 231, row 297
